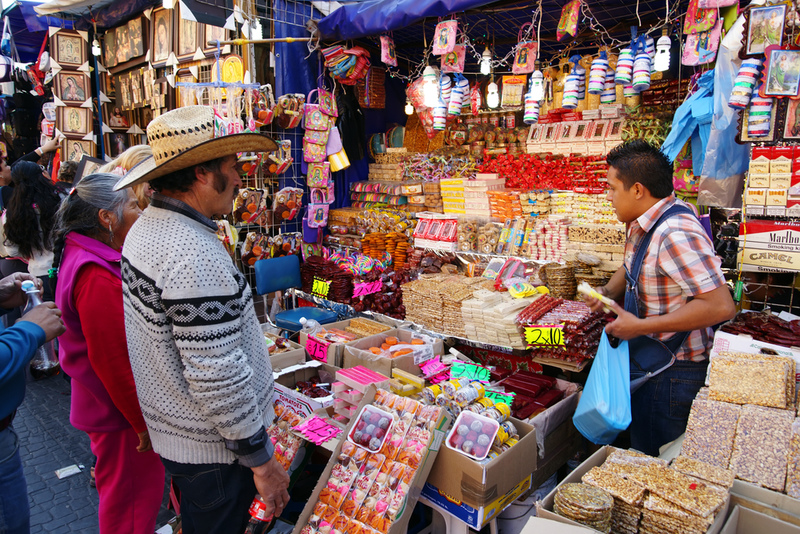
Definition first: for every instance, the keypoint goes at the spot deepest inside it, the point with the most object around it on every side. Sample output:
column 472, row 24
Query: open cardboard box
column 746, row 521
column 401, row 523
column 478, row 484
column 544, row 508
column 288, row 369
column 357, row 353
column 766, row 501
column 538, row 525
column 335, row 350
column 555, row 416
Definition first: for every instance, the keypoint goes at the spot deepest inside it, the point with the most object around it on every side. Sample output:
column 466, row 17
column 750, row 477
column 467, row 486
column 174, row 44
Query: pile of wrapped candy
column 366, row 492
column 582, row 327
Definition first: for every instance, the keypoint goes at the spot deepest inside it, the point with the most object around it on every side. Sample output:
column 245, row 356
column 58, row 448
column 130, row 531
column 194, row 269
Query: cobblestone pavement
column 48, row 442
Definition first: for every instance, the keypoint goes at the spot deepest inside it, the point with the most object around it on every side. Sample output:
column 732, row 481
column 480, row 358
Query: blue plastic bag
column 605, row 406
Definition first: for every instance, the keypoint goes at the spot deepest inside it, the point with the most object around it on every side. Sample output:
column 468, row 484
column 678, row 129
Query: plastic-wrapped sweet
column 370, row 429
column 462, row 430
column 384, row 423
column 476, row 426
column 467, row 446
column 483, row 440
column 375, row 443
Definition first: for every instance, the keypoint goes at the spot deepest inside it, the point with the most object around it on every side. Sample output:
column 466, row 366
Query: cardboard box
column 544, row 508
column 290, row 368
column 335, row 350
column 766, row 501
column 401, row 524
column 746, row 521
column 550, row 419
column 357, row 353
column 478, row 517
column 479, row 484
column 537, row 525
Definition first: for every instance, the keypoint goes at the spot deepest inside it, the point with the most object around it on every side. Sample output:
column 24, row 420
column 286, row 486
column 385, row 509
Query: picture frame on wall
column 148, row 80
column 123, row 45
column 782, row 67
column 110, row 86
column 791, row 123
column 72, row 87
column 110, row 48
column 764, row 28
column 137, row 93
column 70, row 49
column 75, row 149
column 117, row 143
column 74, row 120
column 161, row 41
column 136, row 36
column 187, row 38
column 212, row 33
column 124, row 92
column 116, row 119
column 185, row 96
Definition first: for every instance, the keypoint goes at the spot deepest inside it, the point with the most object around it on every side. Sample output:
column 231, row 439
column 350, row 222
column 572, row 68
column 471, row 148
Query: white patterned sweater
column 198, row 355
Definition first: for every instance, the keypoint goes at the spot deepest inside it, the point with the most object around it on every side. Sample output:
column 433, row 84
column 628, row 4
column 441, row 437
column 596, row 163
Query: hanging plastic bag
column 454, row 61
column 605, row 406
column 525, row 57
column 388, row 55
column 444, row 38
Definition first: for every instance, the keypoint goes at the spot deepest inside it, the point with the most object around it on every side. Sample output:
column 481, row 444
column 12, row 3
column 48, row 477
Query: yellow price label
column 321, row 288
column 548, row 335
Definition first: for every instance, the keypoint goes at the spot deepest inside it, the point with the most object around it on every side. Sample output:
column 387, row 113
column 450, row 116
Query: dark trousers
column 660, row 408
column 214, row 497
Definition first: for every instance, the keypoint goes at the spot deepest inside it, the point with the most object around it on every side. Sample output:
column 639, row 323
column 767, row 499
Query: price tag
column 321, row 287
column 496, row 396
column 317, row 349
column 432, row 367
column 367, row 288
column 317, row 430
column 551, row 335
column 469, row 370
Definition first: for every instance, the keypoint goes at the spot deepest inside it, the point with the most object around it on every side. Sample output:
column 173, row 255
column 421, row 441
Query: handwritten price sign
column 317, row 349
column 321, row 287
column 317, row 430
column 549, row 335
column 367, row 288
column 496, row 396
column 469, row 370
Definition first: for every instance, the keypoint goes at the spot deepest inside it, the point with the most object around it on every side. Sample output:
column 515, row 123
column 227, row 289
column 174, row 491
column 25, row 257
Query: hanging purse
column 317, row 210
column 318, row 174
column 327, row 103
column 444, row 38
column 525, row 58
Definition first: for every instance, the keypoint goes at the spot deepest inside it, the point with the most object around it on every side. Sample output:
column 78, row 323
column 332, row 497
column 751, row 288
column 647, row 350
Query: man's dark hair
column 182, row 180
column 639, row 161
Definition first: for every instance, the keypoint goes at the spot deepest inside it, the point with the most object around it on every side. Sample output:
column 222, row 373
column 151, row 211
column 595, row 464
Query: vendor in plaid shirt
column 680, row 289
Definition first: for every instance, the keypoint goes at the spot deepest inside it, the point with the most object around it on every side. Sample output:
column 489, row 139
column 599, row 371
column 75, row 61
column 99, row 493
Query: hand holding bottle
column 11, row 293
column 272, row 483
column 48, row 317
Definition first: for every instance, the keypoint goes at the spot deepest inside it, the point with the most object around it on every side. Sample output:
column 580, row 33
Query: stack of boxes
column 350, row 386
column 504, row 204
column 773, row 184
column 452, row 195
column 476, row 200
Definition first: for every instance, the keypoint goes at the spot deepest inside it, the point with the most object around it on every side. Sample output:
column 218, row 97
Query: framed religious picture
column 74, row 120
column 124, row 92
column 117, row 119
column 117, row 143
column 72, row 87
column 212, row 33
column 137, row 93
column 123, row 45
column 791, row 123
column 764, row 28
column 187, row 38
column 783, row 71
column 87, row 166
column 75, row 149
column 110, row 86
column 161, row 35
column 110, row 48
column 69, row 49
column 186, row 95
column 136, row 36
column 148, row 79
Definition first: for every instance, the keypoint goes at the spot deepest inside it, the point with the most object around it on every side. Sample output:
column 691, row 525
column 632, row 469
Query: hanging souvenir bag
column 568, row 23
column 525, row 58
column 444, row 38
column 388, row 55
column 289, row 110
column 314, row 118
column 317, row 209
column 318, row 174
column 701, row 48
column 697, row 19
column 327, row 103
column 454, row 61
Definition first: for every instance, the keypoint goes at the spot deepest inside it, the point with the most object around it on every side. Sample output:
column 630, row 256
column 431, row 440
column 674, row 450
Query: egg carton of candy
column 472, row 435
column 371, row 428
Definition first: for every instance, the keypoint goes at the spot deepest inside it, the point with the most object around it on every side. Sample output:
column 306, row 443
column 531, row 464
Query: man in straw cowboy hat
column 201, row 366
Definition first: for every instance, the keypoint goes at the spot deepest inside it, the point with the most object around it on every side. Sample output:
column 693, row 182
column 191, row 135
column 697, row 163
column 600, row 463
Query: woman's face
column 130, row 213
column 71, row 82
column 162, row 34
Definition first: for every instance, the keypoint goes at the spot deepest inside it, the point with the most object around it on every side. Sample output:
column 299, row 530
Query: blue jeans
column 214, row 497
column 660, row 408
column 15, row 513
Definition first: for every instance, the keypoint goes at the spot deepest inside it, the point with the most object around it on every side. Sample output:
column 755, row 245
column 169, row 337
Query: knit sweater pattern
column 197, row 352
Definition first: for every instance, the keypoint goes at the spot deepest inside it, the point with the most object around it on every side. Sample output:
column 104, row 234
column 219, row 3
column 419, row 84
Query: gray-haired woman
column 90, row 230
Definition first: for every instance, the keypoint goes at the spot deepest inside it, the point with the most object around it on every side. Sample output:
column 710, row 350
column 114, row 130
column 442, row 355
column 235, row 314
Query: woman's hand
column 144, row 442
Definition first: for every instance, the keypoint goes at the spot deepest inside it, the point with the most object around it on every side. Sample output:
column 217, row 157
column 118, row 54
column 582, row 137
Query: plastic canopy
column 372, row 17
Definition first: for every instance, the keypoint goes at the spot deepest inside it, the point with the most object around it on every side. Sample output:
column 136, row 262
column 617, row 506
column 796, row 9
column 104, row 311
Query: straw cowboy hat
column 186, row 136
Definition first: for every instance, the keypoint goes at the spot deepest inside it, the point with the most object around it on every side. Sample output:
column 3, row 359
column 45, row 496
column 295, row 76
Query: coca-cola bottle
column 259, row 520
column 44, row 362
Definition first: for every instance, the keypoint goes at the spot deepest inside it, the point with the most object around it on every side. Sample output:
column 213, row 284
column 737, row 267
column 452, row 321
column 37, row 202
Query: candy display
column 371, row 428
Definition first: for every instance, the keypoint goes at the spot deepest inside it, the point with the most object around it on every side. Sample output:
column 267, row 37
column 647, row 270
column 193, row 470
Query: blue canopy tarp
column 373, row 17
